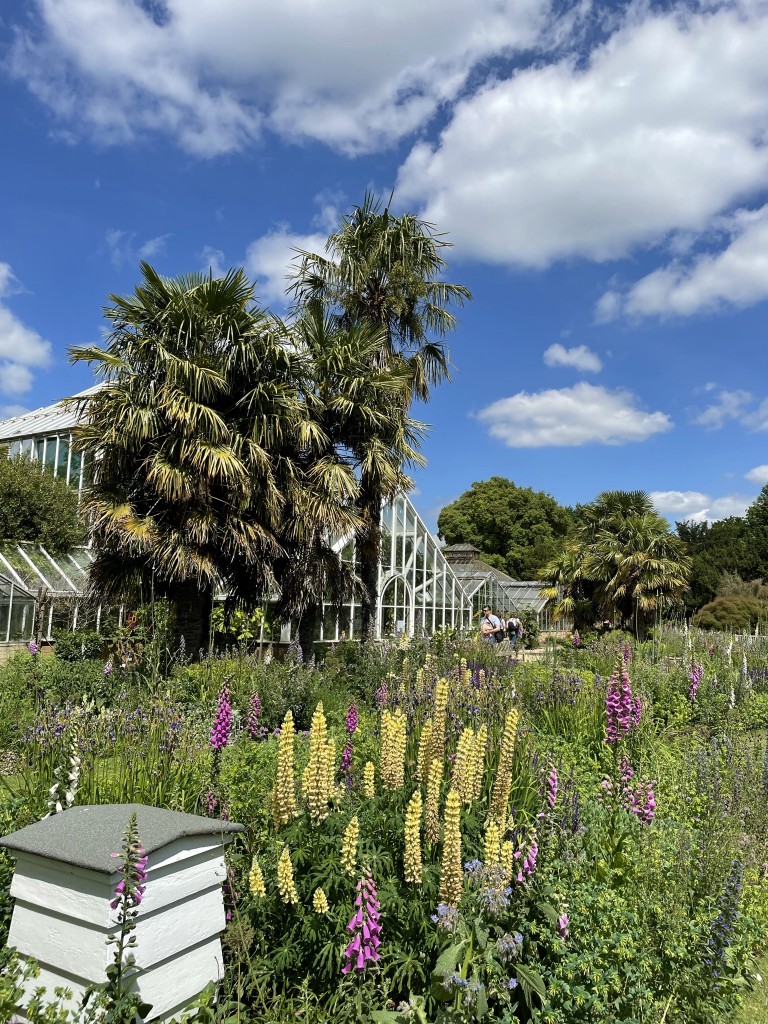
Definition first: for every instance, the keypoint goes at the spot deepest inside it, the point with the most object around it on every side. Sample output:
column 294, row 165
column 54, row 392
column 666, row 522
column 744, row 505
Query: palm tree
column 195, row 434
column 623, row 560
column 358, row 412
column 384, row 271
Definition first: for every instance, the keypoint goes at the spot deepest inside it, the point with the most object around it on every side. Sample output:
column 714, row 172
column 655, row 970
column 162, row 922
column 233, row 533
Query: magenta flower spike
column 223, row 722
column 365, row 927
column 350, row 722
column 252, row 716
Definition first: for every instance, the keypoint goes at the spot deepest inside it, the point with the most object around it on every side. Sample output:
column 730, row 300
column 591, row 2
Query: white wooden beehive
column 65, row 879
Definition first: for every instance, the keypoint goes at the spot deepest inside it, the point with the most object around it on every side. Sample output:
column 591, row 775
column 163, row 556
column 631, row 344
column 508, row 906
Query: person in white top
column 491, row 627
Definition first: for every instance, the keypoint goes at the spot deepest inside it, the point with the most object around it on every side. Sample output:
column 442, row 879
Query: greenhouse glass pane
column 22, row 619
column 27, row 446
column 75, row 462
column 50, row 454
column 39, row 448
column 62, row 460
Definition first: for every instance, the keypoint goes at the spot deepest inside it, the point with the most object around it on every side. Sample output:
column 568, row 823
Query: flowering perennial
column 315, row 778
column 285, row 794
column 350, row 722
column 424, row 756
column 369, row 780
column 552, row 786
column 451, row 878
column 412, row 856
column 503, row 782
column 252, row 716
column 320, row 902
column 619, row 706
column 695, row 675
column 256, row 879
column 222, row 723
column 432, row 811
column 285, row 884
column 364, row 926
column 393, row 742
column 349, row 846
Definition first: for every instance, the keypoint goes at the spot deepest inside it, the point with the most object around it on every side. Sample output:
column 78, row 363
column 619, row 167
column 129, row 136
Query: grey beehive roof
column 86, row 837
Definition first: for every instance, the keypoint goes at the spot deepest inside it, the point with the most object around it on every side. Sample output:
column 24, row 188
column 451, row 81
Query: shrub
column 736, row 614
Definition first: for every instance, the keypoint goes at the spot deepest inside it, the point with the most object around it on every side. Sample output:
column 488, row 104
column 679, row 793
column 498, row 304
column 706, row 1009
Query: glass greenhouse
column 34, row 582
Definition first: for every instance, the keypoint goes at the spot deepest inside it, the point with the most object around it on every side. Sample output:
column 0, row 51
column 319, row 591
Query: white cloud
column 14, row 378
column 661, row 129
column 736, row 276
column 758, row 475
column 213, row 261
column 698, row 507
column 21, row 348
column 269, row 259
column 124, row 250
column 729, row 405
column 7, row 412
column 580, row 358
column 569, row 417
column 214, row 73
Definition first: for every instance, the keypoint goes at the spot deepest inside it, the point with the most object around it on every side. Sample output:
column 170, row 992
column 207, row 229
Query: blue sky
column 601, row 169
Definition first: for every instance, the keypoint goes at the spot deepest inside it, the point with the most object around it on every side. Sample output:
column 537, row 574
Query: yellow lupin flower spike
column 432, row 814
column 320, row 902
column 492, row 843
column 412, row 857
column 424, row 756
column 315, row 777
column 285, row 883
column 451, row 879
column 503, row 783
column 285, row 795
column 463, row 766
column 256, row 879
column 393, row 744
column 507, row 856
column 349, row 847
column 438, row 721
column 369, row 780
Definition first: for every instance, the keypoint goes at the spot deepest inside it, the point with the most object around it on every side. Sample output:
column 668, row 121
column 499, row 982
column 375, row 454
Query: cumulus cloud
column 662, row 128
column 21, row 348
column 570, row 417
column 698, row 507
column 736, row 276
column 579, row 357
column 758, row 475
column 269, row 259
column 729, row 405
column 8, row 412
column 215, row 73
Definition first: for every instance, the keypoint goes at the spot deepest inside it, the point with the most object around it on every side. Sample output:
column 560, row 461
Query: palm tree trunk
column 192, row 607
column 368, row 554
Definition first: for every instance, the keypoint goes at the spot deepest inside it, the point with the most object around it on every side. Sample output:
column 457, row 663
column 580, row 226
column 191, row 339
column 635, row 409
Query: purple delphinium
column 223, row 721
column 350, row 722
column 252, row 716
column 697, row 671
column 364, row 926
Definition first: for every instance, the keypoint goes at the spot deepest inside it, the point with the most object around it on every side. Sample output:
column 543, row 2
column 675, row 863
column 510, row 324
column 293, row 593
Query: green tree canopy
column 725, row 546
column 523, row 528
column 36, row 506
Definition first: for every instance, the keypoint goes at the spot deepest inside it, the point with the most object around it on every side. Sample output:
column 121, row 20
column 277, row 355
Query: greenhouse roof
column 30, row 567
column 51, row 419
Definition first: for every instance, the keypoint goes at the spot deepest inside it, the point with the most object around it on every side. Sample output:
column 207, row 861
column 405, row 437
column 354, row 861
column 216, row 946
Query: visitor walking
column 491, row 627
column 514, row 629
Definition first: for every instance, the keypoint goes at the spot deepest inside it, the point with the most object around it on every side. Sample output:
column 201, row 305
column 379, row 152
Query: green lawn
column 755, row 1009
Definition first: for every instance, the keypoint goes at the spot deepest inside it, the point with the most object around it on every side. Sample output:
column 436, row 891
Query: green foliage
column 80, row 645
column 739, row 614
column 36, row 506
column 524, row 529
